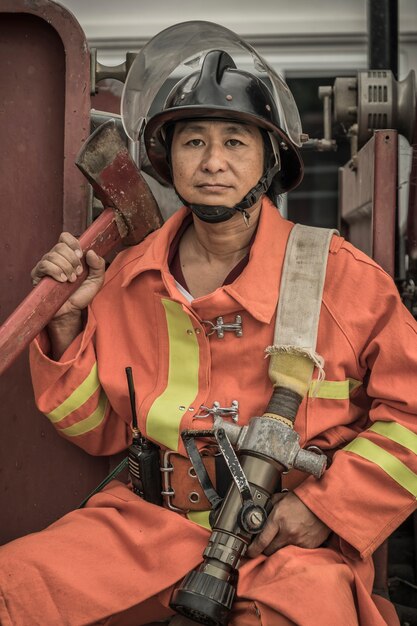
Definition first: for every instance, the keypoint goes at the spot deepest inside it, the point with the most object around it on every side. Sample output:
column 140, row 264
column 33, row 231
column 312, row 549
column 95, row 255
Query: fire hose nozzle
column 265, row 448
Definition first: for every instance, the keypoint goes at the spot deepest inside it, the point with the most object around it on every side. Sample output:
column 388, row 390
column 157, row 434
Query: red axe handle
column 48, row 296
column 105, row 161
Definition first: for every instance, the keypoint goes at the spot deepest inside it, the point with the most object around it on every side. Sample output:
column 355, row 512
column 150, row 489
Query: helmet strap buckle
column 246, row 217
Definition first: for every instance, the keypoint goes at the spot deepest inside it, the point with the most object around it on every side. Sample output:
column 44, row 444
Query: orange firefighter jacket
column 363, row 415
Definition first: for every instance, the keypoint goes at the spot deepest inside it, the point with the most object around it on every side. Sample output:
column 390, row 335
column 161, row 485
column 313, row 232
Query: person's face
column 216, row 163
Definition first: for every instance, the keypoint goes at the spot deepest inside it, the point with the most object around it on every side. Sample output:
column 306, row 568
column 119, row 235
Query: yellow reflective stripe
column 200, row 517
column 78, row 397
column 333, row 389
column 88, row 423
column 397, row 433
column 165, row 414
column 386, row 461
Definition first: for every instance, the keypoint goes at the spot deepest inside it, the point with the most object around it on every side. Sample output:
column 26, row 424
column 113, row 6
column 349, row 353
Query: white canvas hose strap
column 293, row 354
column 302, row 285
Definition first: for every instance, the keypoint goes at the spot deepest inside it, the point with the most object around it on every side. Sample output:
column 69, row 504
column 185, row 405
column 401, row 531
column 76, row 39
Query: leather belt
column 290, row 480
column 182, row 491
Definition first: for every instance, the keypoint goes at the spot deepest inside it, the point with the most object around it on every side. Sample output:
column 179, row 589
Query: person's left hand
column 289, row 523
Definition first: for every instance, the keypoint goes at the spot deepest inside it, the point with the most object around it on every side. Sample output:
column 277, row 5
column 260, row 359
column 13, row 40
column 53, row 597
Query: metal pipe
column 383, row 35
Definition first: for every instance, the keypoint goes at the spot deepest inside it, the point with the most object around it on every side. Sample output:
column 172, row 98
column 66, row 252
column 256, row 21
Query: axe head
column 106, row 163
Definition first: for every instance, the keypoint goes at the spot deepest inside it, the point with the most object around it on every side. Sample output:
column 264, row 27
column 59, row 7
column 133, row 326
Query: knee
column 245, row 613
column 249, row 613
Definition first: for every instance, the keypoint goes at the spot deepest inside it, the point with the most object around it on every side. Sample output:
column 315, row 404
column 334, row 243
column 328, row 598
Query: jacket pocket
column 330, row 416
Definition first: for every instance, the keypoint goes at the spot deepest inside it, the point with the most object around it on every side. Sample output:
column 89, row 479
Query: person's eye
column 234, row 143
column 195, row 143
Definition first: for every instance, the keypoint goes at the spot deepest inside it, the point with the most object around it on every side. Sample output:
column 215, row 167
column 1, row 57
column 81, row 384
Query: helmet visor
column 178, row 51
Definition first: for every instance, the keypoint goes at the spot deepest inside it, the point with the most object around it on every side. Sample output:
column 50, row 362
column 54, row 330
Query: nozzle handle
column 310, row 462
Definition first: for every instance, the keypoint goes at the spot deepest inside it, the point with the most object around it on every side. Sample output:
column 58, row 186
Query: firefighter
column 219, row 139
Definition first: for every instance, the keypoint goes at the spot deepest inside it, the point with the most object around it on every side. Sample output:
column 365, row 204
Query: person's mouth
column 213, row 187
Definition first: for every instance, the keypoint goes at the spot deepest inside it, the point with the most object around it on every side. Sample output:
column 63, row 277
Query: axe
column 131, row 213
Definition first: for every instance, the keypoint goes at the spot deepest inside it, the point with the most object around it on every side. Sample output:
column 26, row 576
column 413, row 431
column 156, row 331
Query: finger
column 68, row 253
column 261, row 541
column 72, row 242
column 59, row 261
column 96, row 265
column 62, row 256
column 47, row 267
column 270, row 532
column 277, row 497
column 276, row 544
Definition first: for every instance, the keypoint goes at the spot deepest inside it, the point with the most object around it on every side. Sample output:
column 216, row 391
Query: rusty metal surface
column 385, row 199
column 44, row 104
column 29, row 56
column 107, row 164
column 272, row 438
column 368, row 198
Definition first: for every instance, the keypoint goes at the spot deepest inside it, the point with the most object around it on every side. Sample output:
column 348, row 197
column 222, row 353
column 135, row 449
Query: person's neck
column 225, row 241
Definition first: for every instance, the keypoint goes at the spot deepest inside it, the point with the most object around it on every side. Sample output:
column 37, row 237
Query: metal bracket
column 234, row 466
column 221, row 411
column 188, row 437
column 99, row 72
column 220, row 327
column 252, row 517
column 226, row 448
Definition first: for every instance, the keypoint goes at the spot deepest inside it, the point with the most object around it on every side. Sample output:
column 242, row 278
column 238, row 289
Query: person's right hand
column 63, row 263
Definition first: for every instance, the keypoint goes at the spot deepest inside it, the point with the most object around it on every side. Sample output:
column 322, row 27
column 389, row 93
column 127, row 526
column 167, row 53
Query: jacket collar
column 256, row 288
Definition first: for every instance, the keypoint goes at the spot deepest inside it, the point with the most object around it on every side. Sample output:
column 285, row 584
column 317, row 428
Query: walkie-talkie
column 143, row 457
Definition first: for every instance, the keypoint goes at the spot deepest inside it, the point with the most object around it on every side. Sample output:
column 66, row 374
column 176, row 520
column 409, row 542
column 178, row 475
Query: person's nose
column 214, row 158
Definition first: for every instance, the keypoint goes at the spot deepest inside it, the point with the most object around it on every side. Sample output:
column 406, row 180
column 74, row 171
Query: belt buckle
column 168, row 492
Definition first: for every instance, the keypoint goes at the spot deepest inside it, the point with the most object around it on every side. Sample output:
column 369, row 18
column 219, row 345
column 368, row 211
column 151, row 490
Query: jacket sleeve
column 371, row 486
column 69, row 392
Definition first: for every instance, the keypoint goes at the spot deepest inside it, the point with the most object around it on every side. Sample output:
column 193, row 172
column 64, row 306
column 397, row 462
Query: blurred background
column 309, row 43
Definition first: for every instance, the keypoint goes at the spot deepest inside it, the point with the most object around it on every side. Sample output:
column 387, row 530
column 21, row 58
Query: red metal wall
column 44, row 118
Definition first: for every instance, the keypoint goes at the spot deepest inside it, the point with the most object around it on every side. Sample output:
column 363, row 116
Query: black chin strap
column 260, row 188
column 215, row 214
